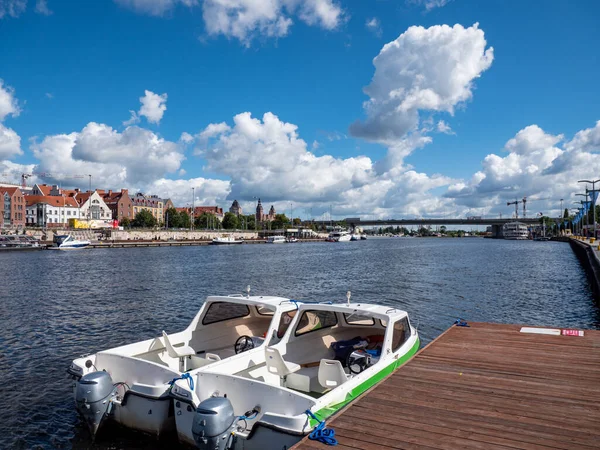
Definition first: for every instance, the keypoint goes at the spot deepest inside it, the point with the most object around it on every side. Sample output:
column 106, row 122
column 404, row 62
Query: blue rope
column 320, row 433
column 185, row 376
column 461, row 323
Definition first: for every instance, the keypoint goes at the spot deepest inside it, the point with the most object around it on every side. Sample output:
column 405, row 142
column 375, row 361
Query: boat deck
column 487, row 386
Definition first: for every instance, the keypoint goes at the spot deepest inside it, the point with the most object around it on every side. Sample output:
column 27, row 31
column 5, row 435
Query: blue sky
column 92, row 61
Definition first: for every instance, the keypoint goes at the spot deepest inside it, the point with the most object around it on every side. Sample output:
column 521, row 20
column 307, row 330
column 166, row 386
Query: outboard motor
column 93, row 396
column 213, row 424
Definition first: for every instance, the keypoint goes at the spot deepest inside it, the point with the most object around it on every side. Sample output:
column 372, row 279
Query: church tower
column 259, row 212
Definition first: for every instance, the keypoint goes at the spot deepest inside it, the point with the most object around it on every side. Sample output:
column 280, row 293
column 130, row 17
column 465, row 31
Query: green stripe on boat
column 328, row 411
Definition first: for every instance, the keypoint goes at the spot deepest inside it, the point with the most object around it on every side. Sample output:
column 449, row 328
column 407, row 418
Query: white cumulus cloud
column 9, row 106
column 424, row 69
column 10, row 143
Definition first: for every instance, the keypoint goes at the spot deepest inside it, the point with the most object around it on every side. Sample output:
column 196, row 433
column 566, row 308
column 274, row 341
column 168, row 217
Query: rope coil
column 320, row 433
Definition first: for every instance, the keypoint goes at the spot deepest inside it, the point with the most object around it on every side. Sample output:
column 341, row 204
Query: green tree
column 566, row 213
column 125, row 222
column 184, row 220
column 173, row 218
column 281, row 221
column 230, row 221
column 443, row 229
column 144, row 219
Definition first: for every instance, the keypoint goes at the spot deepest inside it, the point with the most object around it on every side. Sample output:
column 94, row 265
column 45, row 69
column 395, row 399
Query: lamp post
column 583, row 205
column 593, row 191
column 581, row 208
column 193, row 207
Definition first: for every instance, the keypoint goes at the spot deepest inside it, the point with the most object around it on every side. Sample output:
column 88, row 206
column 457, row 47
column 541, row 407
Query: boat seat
column 195, row 362
column 305, row 380
column 180, row 352
column 331, row 373
column 277, row 365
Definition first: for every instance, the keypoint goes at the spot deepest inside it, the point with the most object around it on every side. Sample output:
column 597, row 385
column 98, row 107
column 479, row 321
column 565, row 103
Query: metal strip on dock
column 487, row 386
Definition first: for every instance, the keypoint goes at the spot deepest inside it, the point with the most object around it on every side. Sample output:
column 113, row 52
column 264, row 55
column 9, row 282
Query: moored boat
column 226, row 240
column 276, row 240
column 130, row 384
column 339, row 236
column 270, row 399
column 68, row 242
column 18, row 242
column 515, row 231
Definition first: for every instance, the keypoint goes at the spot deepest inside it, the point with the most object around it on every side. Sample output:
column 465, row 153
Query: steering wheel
column 243, row 343
column 357, row 361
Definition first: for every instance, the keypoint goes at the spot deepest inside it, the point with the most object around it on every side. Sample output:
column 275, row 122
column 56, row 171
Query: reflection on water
column 56, row 306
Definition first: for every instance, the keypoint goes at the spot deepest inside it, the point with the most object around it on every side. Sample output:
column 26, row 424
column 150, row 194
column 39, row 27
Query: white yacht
column 130, row 384
column 226, row 240
column 340, row 236
column 276, row 240
column 68, row 242
column 515, row 231
column 270, row 398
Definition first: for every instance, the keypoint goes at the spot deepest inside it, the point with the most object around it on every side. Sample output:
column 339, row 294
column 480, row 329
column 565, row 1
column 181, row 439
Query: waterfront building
column 261, row 216
column 13, row 204
column 1, row 211
column 91, row 204
column 119, row 203
column 236, row 208
column 50, row 210
column 199, row 210
column 151, row 203
column 167, row 204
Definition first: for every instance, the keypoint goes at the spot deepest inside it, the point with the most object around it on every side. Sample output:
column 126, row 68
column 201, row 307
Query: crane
column 516, row 203
column 524, row 201
column 25, row 176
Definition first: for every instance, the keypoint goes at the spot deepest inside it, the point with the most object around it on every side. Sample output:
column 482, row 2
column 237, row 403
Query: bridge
column 495, row 223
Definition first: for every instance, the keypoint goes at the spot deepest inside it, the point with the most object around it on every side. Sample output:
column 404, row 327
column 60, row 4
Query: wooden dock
column 487, row 386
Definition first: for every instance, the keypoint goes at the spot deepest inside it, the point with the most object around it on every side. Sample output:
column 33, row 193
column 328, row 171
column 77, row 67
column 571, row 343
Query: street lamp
column 583, row 205
column 193, row 207
column 580, row 202
column 594, row 195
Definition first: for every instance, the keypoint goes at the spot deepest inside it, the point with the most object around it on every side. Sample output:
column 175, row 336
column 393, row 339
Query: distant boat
column 68, row 242
column 515, row 231
column 14, row 242
column 276, row 240
column 226, row 240
column 363, row 237
column 355, row 237
column 340, row 236
column 291, row 240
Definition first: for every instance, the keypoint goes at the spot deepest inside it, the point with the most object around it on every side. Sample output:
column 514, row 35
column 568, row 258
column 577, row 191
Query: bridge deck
column 484, row 387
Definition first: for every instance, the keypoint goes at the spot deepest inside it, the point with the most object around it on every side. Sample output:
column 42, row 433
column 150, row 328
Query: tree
column 566, row 214
column 230, row 221
column 443, row 229
column 281, row 221
column 184, row 220
column 125, row 222
column 173, row 218
column 297, row 221
column 144, row 219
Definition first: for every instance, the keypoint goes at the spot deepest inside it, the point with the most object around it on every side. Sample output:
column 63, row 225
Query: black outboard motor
column 213, row 424
column 93, row 396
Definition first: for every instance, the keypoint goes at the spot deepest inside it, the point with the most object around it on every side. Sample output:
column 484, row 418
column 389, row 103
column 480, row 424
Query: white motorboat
column 269, row 399
column 340, row 236
column 226, row 240
column 292, row 240
column 363, row 237
column 68, row 242
column 276, row 240
column 130, row 384
column 515, row 231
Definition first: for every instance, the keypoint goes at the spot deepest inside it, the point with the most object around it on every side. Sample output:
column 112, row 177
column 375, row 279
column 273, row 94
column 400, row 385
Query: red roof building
column 13, row 205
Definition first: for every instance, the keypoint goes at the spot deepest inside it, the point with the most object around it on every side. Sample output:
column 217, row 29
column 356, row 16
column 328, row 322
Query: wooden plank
column 484, row 386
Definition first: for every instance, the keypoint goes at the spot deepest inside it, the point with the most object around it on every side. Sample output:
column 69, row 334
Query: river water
column 55, row 306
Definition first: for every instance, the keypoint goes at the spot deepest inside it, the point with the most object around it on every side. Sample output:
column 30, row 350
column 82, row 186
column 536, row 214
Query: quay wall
column 163, row 235
column 589, row 258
